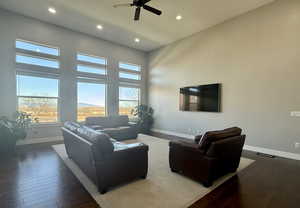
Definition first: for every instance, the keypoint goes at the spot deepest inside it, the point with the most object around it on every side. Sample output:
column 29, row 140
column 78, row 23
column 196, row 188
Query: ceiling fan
column 139, row 4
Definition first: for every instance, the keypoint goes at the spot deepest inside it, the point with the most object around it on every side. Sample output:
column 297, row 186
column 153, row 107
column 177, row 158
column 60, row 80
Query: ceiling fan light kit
column 139, row 4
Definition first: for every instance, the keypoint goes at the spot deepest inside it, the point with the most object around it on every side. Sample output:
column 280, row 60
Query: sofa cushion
column 72, row 126
column 100, row 140
column 96, row 127
column 116, row 121
column 124, row 127
column 212, row 136
column 110, row 129
column 99, row 121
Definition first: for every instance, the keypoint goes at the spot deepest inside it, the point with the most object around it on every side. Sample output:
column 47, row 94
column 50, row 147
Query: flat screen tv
column 201, row 98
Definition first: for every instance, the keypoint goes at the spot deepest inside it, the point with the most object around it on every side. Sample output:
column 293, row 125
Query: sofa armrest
column 95, row 127
column 128, row 163
column 130, row 123
column 130, row 149
column 197, row 139
column 191, row 160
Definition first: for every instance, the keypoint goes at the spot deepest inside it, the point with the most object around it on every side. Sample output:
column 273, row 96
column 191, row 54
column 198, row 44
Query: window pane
column 91, row 100
column 125, row 107
column 91, row 59
column 129, row 66
column 128, row 93
column 129, row 76
column 89, row 69
column 45, row 109
column 37, row 61
column 36, row 48
column 36, row 86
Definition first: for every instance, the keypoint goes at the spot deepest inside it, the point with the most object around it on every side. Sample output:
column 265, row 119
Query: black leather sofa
column 105, row 161
column 209, row 157
column 118, row 127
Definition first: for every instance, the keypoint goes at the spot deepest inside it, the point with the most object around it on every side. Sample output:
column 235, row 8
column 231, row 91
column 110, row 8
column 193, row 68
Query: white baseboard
column 39, row 140
column 288, row 155
column 188, row 136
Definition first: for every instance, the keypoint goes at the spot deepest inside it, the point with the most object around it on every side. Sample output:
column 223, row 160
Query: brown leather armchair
column 214, row 155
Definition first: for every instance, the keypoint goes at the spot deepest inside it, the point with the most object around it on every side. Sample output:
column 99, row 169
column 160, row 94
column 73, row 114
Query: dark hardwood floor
column 37, row 178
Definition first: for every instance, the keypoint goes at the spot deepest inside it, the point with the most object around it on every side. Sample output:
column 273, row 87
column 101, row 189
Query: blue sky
column 91, row 93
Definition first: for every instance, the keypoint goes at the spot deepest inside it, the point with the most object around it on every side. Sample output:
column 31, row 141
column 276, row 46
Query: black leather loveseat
column 118, row 127
column 105, row 161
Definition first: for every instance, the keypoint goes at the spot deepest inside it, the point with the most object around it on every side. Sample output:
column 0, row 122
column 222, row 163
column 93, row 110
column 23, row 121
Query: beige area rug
column 162, row 188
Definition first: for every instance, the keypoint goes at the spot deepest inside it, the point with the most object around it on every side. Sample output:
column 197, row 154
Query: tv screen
column 201, row 98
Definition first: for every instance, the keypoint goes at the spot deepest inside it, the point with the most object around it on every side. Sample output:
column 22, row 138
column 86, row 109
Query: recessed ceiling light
column 137, row 40
column 52, row 10
column 179, row 17
column 100, row 27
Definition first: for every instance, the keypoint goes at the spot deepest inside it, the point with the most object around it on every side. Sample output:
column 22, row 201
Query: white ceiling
column 153, row 31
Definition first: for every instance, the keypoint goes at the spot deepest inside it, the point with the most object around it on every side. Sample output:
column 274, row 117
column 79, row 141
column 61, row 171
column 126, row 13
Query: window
column 91, row 86
column 89, row 69
column 91, row 100
column 24, row 59
column 131, row 67
column 129, row 76
column 38, row 96
column 28, row 46
column 129, row 72
column 36, row 54
column 129, row 97
column 91, row 64
column 38, row 80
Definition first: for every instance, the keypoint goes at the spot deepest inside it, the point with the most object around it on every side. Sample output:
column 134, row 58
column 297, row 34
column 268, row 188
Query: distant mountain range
column 82, row 105
column 53, row 104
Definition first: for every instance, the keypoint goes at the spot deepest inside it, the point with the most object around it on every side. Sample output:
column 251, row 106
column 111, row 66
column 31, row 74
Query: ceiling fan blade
column 145, row 1
column 137, row 13
column 153, row 10
column 122, row 5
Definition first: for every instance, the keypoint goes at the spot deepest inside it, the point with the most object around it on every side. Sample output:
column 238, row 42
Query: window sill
column 58, row 124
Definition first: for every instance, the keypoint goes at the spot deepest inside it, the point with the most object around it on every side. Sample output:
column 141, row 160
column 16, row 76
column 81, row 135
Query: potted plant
column 145, row 120
column 12, row 130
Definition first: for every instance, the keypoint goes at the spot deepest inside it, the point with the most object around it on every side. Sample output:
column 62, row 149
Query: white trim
column 38, row 44
column 188, row 136
column 39, row 140
column 288, row 155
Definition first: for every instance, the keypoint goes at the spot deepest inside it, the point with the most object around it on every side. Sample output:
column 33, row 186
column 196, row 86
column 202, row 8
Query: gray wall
column 15, row 26
column 255, row 57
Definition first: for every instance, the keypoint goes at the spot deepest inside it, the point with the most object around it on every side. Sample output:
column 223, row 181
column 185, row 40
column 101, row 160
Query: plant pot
column 8, row 148
column 7, row 142
column 145, row 128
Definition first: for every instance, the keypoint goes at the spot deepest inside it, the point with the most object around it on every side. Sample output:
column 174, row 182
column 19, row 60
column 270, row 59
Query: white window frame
column 39, row 71
column 23, row 73
column 83, row 80
column 128, row 71
column 129, row 86
column 93, row 78
column 90, row 64
column 130, row 83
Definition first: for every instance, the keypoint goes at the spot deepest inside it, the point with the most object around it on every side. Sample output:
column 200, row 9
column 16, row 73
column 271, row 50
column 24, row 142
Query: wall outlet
column 297, row 145
column 295, row 113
